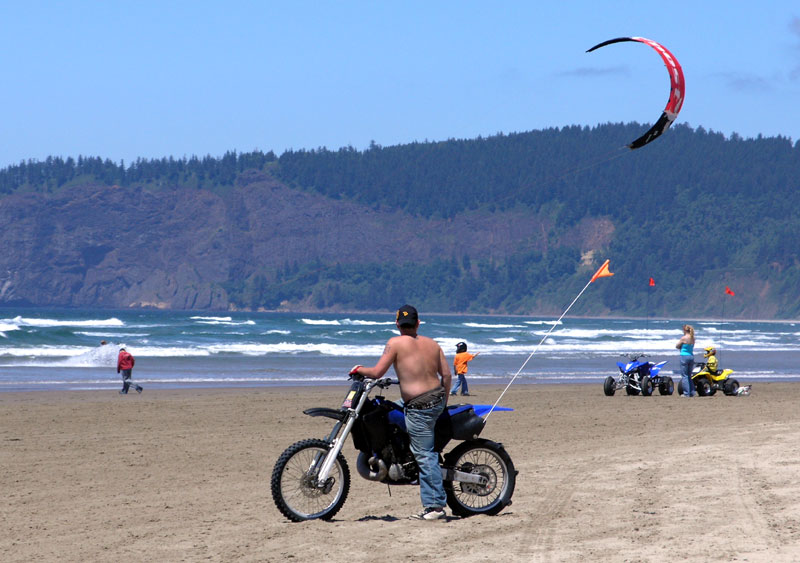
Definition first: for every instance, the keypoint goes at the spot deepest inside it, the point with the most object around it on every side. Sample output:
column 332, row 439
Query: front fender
column 336, row 414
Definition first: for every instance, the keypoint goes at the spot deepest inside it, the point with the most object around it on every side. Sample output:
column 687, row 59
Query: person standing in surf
column 686, row 346
column 125, row 364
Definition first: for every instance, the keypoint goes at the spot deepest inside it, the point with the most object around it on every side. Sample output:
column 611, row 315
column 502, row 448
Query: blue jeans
column 462, row 380
column 687, row 365
column 126, row 381
column 420, row 424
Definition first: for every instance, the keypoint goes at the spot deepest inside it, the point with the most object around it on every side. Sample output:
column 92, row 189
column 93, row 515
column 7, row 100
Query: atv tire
column 730, row 387
column 704, row 388
column 647, row 386
column 609, row 386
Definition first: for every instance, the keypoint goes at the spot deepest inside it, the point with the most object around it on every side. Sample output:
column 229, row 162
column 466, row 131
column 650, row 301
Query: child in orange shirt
column 460, row 367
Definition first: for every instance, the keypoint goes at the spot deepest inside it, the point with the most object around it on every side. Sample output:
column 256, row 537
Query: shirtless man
column 424, row 377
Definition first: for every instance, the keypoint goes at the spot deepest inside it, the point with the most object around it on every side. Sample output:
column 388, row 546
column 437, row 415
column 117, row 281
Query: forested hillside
column 509, row 223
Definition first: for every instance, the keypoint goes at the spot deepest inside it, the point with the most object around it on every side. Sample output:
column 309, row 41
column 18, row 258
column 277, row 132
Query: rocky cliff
column 107, row 246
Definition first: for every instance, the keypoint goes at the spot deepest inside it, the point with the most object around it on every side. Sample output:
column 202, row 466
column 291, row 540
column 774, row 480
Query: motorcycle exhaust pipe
column 372, row 469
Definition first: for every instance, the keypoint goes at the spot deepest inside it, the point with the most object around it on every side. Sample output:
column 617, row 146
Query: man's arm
column 444, row 373
column 384, row 363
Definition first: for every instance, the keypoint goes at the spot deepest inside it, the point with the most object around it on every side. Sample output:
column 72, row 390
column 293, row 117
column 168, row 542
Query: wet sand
column 183, row 475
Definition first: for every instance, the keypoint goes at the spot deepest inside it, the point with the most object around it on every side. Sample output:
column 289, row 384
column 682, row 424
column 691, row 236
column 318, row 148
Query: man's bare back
column 418, row 362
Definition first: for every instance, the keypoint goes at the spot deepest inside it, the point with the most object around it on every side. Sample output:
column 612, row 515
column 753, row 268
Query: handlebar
column 383, row 383
column 634, row 357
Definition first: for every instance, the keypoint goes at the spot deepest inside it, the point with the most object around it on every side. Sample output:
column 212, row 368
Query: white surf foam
column 47, row 323
column 481, row 325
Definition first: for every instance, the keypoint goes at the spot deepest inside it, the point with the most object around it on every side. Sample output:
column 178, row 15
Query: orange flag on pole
column 729, row 291
column 602, row 272
column 652, row 282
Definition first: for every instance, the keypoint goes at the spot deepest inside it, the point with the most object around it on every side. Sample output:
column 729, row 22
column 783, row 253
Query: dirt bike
column 638, row 376
column 311, row 478
column 707, row 384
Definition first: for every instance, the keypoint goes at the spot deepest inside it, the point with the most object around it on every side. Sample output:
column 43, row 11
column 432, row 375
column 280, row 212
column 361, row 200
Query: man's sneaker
column 139, row 389
column 430, row 513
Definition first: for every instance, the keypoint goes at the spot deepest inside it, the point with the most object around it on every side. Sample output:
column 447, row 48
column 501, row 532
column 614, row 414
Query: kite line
column 602, row 272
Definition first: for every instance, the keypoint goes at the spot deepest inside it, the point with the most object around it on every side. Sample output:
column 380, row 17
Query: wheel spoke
column 295, row 487
column 488, row 464
column 299, row 489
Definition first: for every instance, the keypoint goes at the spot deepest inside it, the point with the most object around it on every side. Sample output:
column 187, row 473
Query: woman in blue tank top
column 686, row 346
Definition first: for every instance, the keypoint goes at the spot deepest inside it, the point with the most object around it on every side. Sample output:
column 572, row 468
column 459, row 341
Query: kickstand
column 388, row 488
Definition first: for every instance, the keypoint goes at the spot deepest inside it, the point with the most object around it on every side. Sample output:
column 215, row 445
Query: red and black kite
column 676, row 92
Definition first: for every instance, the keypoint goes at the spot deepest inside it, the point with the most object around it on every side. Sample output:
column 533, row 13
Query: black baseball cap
column 407, row 316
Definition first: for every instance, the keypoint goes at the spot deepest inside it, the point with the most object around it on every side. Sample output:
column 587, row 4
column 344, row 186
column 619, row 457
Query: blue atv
column 638, row 376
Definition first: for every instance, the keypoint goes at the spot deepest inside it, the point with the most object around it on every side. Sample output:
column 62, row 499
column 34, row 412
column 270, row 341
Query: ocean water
column 57, row 349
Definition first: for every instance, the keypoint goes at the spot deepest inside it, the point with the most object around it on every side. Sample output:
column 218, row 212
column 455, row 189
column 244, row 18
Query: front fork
column 337, row 442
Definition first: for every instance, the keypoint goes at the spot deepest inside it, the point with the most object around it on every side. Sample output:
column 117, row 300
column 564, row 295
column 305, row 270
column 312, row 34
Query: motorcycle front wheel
column 294, row 483
column 486, row 458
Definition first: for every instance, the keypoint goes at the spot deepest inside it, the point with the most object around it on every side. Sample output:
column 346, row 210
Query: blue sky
column 149, row 79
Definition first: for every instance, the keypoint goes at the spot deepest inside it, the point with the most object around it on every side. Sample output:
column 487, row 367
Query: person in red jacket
column 125, row 364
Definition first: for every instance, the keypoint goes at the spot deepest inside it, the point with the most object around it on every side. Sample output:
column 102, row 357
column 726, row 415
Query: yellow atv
column 706, row 382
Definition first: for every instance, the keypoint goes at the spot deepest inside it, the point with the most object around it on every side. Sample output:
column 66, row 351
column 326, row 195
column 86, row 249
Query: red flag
column 652, row 282
column 602, row 272
column 729, row 291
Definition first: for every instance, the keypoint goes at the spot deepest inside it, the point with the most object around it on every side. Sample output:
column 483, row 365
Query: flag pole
column 728, row 291
column 602, row 272
column 721, row 325
column 651, row 283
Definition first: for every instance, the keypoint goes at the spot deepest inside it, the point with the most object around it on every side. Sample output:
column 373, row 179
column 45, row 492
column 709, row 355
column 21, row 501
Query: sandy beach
column 183, row 475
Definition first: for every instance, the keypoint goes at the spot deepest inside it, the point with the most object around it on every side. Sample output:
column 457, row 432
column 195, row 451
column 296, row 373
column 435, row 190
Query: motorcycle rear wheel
column 485, row 458
column 293, row 482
